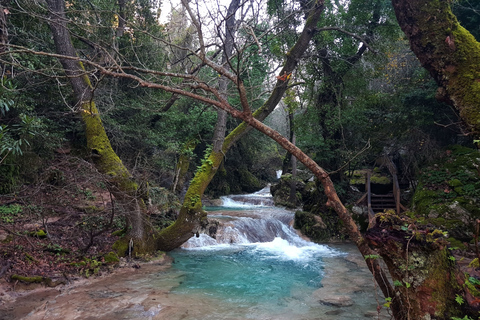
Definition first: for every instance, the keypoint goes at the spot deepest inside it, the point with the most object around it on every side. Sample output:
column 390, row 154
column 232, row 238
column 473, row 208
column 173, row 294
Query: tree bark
column 122, row 185
column 422, row 268
column 221, row 125
column 448, row 51
column 3, row 29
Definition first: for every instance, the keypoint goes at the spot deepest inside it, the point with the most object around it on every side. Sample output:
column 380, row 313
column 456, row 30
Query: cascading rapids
column 256, row 255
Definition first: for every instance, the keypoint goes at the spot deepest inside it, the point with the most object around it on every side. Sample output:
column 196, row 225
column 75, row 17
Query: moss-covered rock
column 39, row 234
column 318, row 227
column 111, row 258
column 33, row 279
column 281, row 191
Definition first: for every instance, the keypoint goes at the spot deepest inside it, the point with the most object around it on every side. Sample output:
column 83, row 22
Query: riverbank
column 18, row 300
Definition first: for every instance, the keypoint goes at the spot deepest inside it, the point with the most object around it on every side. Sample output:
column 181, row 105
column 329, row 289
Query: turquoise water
column 258, row 267
column 258, row 273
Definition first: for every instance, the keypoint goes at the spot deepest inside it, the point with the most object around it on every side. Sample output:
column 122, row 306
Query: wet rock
column 337, row 300
column 349, row 290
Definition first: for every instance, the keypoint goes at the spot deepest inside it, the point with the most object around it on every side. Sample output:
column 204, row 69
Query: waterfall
column 252, row 219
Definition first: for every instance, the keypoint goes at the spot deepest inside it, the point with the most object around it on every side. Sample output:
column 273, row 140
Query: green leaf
column 397, row 283
column 474, row 281
column 459, row 299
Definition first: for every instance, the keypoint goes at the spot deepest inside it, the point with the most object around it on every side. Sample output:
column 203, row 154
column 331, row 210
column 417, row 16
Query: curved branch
column 353, row 35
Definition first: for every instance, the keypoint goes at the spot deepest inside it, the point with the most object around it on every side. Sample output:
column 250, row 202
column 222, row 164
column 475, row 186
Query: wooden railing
column 371, row 214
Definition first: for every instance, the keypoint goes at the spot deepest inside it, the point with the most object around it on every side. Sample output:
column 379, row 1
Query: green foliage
column 459, row 299
column 88, row 266
column 451, row 181
column 9, row 213
column 56, row 249
column 388, row 302
column 111, row 257
column 473, row 280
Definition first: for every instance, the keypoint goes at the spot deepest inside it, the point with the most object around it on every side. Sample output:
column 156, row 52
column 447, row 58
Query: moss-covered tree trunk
column 422, row 268
column 452, row 57
column 122, row 185
column 447, row 50
column 191, row 215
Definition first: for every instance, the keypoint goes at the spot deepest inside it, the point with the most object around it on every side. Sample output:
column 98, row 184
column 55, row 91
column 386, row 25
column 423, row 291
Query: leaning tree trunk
column 448, row 51
column 122, row 186
column 191, row 216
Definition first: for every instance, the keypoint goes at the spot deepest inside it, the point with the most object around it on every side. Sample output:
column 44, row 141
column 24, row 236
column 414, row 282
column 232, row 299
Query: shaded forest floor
column 59, row 227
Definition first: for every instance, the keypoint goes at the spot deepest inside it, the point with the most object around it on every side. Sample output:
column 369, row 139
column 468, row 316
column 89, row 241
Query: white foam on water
column 265, row 192
column 230, row 203
column 283, row 249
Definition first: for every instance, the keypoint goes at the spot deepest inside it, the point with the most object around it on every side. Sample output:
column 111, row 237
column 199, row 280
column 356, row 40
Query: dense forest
column 120, row 120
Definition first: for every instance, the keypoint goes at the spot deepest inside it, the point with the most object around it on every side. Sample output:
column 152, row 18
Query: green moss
column 39, row 234
column 423, row 200
column 111, row 257
column 474, row 263
column 455, row 183
column 249, row 182
column 456, row 243
column 34, row 279
column 121, row 247
column 119, row 233
column 319, row 228
column 471, row 287
column 29, row 257
column 380, row 179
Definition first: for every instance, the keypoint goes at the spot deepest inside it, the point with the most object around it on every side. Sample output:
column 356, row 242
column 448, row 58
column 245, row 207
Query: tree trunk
column 182, row 166
column 122, row 185
column 192, row 217
column 3, row 29
column 422, row 268
column 448, row 51
column 293, row 162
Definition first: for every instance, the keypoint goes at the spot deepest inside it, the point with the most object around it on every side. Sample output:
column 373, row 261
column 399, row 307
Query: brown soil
column 59, row 227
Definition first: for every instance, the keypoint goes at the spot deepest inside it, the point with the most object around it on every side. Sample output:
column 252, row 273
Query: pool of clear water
column 256, row 273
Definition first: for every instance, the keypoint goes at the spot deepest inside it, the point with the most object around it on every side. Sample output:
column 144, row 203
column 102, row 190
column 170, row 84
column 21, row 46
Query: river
column 257, row 267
